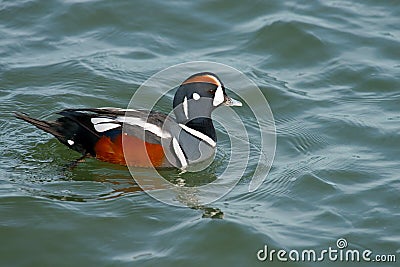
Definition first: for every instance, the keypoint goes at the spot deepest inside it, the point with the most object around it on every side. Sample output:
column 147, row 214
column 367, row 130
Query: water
column 329, row 69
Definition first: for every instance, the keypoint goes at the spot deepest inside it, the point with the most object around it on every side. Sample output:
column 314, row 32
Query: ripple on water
column 288, row 54
column 302, row 135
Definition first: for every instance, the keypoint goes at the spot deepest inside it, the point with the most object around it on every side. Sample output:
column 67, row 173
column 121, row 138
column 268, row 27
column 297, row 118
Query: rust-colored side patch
column 138, row 153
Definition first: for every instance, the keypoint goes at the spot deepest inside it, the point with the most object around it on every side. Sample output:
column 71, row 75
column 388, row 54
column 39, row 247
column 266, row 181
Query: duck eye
column 212, row 91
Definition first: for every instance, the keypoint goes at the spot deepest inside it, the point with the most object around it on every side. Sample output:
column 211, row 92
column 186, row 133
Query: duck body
column 145, row 138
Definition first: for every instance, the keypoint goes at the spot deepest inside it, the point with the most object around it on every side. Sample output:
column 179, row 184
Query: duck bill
column 230, row 102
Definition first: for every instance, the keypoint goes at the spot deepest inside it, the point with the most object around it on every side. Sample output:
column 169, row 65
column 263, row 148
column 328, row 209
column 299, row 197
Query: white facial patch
column 179, row 153
column 70, row 142
column 196, row 96
column 185, row 107
column 218, row 97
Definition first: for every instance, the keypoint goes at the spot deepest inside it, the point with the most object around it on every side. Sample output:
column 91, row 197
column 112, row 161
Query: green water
column 329, row 69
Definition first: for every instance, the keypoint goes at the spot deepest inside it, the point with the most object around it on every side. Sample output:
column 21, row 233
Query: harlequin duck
column 151, row 138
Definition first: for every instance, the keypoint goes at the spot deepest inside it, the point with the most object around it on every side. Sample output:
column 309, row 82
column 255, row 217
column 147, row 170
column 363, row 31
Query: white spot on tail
column 219, row 97
column 196, row 96
column 70, row 142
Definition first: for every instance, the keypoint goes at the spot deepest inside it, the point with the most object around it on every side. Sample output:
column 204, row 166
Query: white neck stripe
column 199, row 135
column 179, row 153
column 185, row 107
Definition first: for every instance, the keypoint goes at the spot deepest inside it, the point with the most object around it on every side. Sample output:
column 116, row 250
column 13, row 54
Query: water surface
column 329, row 69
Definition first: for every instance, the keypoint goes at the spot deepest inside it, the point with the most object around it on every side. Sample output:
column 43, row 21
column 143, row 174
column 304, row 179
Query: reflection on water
column 118, row 183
